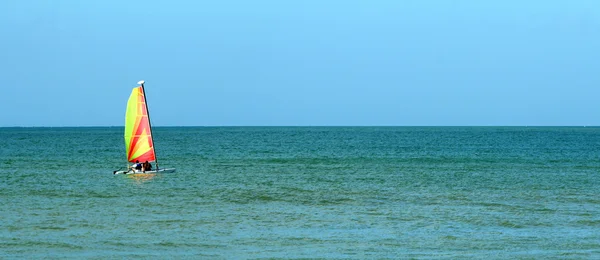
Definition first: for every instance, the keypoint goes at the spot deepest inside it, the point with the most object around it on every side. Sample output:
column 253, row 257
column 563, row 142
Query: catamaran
column 139, row 144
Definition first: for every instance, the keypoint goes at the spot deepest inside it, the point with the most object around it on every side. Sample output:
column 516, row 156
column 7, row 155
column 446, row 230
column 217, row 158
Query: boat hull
column 167, row 170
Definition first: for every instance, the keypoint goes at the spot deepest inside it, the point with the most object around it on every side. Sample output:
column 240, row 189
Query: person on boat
column 146, row 166
column 137, row 166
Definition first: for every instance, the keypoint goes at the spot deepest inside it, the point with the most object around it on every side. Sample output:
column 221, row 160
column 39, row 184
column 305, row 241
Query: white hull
column 168, row 170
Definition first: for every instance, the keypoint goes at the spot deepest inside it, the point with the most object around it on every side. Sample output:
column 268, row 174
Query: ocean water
column 304, row 192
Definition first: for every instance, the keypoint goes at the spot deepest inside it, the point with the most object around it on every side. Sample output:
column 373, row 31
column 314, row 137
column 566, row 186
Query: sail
column 138, row 135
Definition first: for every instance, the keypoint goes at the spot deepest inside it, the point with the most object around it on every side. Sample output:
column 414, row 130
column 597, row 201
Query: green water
column 304, row 192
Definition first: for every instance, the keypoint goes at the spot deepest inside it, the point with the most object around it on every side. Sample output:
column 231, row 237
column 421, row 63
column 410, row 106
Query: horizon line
column 161, row 126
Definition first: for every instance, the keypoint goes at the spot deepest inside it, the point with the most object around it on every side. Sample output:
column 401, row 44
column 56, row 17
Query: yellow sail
column 138, row 135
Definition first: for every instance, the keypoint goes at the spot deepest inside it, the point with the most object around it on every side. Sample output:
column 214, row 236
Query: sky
column 301, row 62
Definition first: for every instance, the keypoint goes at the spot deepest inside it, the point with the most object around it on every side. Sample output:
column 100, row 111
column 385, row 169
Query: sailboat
column 139, row 144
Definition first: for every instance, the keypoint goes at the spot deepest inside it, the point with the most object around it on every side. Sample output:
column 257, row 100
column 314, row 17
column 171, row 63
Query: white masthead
column 141, row 82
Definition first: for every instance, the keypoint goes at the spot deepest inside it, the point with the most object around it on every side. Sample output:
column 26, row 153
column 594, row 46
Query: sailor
column 146, row 166
column 137, row 166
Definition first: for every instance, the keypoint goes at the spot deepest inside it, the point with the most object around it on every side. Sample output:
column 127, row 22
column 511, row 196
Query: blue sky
column 304, row 62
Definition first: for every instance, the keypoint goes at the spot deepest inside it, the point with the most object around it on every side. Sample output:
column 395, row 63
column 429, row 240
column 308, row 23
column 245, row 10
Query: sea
column 303, row 193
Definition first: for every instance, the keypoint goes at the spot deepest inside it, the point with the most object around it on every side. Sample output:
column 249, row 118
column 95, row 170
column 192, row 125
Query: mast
column 141, row 82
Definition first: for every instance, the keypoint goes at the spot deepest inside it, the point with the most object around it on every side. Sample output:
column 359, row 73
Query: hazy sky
column 301, row 62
